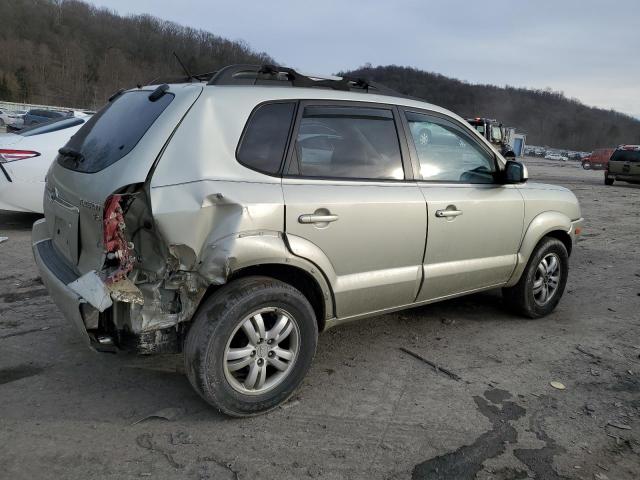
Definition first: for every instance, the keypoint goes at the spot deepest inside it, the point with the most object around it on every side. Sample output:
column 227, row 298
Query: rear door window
column 113, row 132
column 264, row 141
column 348, row 142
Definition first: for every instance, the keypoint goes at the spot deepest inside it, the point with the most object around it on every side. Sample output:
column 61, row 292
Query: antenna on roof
column 186, row 70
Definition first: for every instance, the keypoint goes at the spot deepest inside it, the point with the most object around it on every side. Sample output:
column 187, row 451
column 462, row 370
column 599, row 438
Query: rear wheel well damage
column 294, row 276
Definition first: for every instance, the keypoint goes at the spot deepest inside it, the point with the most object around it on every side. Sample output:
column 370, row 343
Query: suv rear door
column 475, row 223
column 116, row 147
column 350, row 201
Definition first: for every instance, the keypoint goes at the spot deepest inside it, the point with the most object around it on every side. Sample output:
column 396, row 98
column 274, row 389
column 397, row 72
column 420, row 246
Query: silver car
column 236, row 218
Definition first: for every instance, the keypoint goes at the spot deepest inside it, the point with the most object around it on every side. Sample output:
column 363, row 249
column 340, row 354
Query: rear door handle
column 448, row 213
column 314, row 218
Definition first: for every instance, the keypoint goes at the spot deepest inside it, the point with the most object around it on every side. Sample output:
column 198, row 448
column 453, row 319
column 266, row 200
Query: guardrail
column 13, row 106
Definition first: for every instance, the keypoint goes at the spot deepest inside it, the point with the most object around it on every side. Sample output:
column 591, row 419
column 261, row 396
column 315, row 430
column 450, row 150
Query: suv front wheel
column 542, row 283
column 251, row 345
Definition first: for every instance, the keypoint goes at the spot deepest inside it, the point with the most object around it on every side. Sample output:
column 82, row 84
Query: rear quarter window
column 113, row 132
column 264, row 140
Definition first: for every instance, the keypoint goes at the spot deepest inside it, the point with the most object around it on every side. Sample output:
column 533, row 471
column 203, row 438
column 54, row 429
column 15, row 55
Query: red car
column 598, row 160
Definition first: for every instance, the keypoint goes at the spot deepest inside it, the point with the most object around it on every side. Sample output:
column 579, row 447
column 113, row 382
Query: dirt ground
column 367, row 409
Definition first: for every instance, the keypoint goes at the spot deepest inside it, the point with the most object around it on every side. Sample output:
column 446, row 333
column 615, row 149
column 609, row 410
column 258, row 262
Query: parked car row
column 565, row 154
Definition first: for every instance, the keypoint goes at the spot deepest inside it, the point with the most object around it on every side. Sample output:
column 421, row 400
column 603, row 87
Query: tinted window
column 265, row 139
column 347, row 142
column 447, row 154
column 51, row 126
column 626, row 156
column 113, row 132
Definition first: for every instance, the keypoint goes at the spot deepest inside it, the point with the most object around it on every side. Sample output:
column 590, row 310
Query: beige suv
column 235, row 218
column 623, row 165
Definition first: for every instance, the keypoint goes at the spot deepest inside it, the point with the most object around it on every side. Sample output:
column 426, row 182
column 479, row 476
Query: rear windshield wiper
column 71, row 153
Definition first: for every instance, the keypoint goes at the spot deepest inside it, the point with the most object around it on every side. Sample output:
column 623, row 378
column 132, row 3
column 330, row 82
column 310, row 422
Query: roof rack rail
column 198, row 77
column 283, row 76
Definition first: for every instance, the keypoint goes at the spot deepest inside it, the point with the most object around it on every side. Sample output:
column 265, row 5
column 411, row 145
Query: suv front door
column 349, row 208
column 475, row 224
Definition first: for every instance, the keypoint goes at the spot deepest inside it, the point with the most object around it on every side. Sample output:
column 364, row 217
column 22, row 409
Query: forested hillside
column 69, row 53
column 547, row 117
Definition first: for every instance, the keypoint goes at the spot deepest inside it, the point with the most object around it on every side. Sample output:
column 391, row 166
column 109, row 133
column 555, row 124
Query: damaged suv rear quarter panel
column 217, row 216
column 96, row 187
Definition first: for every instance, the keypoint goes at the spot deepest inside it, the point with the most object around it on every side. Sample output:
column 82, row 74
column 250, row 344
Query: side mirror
column 515, row 172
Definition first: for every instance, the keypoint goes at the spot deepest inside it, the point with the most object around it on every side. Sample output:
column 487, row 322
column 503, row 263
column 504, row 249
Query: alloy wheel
column 261, row 351
column 546, row 279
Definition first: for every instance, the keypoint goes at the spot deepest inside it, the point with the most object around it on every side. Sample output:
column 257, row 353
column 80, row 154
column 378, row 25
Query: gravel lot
column 367, row 409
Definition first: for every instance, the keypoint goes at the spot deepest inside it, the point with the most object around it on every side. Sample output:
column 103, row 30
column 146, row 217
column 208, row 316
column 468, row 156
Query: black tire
column 215, row 322
column 607, row 180
column 520, row 298
column 586, row 165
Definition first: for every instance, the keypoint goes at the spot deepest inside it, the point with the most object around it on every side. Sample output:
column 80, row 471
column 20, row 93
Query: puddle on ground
column 467, row 461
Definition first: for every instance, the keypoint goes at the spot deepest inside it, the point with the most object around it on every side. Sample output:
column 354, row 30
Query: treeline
column 69, row 53
column 547, row 117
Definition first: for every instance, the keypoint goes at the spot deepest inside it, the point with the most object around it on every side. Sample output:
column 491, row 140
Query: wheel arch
column 266, row 254
column 546, row 224
column 298, row 278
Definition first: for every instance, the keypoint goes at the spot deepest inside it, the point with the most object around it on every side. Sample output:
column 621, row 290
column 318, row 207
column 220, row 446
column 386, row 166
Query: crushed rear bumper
column 56, row 276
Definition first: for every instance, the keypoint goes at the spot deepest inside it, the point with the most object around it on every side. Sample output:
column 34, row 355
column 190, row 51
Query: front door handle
column 317, row 218
column 449, row 212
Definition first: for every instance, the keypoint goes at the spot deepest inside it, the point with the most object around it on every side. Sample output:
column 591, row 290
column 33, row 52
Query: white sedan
column 25, row 157
column 556, row 156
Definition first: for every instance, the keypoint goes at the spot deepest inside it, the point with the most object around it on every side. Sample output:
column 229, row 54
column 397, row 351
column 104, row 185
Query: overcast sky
column 589, row 49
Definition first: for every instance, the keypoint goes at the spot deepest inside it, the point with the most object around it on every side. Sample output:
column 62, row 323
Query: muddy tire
column 542, row 283
column 586, row 165
column 250, row 345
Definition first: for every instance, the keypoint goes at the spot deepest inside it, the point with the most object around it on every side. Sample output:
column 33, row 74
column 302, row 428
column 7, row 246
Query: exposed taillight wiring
column 11, row 155
column 119, row 251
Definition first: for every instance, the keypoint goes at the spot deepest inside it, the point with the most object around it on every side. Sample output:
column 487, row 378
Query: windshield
column 113, row 132
column 496, row 134
column 51, row 126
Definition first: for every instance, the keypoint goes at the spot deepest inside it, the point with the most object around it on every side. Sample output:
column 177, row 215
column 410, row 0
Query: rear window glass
column 52, row 126
column 112, row 132
column 626, row 156
column 265, row 139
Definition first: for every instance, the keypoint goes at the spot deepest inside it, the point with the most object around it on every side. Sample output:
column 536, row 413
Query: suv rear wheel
column 607, row 180
column 251, row 345
column 542, row 283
